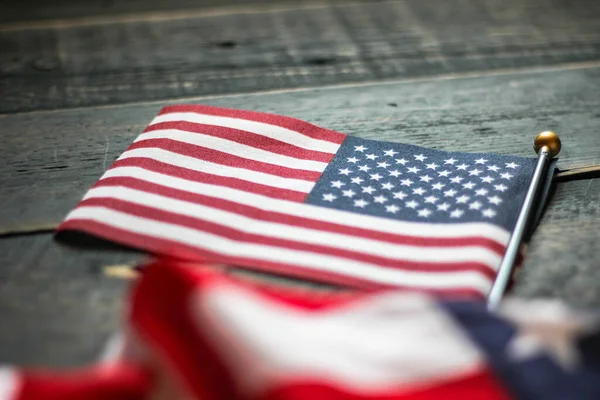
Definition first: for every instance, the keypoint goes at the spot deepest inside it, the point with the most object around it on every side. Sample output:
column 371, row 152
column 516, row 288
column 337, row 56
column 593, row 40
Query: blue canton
column 413, row 183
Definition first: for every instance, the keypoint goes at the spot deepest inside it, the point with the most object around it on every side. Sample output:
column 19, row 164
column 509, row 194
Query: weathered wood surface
column 62, row 308
column 562, row 260
column 82, row 64
column 55, row 304
column 52, row 158
column 23, row 12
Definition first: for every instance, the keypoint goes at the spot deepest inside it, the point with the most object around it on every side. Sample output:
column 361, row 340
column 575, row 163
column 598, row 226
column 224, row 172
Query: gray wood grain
column 563, row 257
column 62, row 308
column 50, row 159
column 25, row 11
column 120, row 62
column 57, row 307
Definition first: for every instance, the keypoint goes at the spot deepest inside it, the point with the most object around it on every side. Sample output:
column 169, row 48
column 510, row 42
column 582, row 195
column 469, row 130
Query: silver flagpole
column 547, row 146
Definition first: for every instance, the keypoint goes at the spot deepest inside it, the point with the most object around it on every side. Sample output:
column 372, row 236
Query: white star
column 462, row 167
column 443, row 207
column 392, row 208
column 360, row 203
column 419, row 191
column 348, row 193
column 420, row 157
column 547, row 327
column 481, row 192
column 359, row 148
column 456, row 179
column 411, row 204
column 431, row 166
column 401, row 161
column 424, row 213
column 462, row 199
column 487, row 179
column 500, row 187
column 375, row 177
column 390, row 152
column 414, row 170
column 345, row 171
column 337, row 184
column 506, row 175
column 383, row 164
column 475, row 172
column 450, row 161
column 475, row 205
column 387, row 186
column 495, row 200
column 489, row 213
column 358, row 180
column 368, row 189
column 406, row 182
column 353, row 160
column 425, row 178
column 365, row 168
column 456, row 213
column 493, row 168
column 380, row 199
column 469, row 185
column 450, row 193
column 481, row 161
column 431, row 199
column 329, row 197
column 511, row 165
column 437, row 186
column 371, row 156
column 395, row 173
column 399, row 195
column 444, row 173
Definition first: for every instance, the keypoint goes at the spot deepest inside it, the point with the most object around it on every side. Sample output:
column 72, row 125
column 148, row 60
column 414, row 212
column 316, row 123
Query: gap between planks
column 383, row 82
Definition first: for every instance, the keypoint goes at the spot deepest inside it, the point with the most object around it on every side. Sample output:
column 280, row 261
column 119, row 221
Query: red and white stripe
column 229, row 186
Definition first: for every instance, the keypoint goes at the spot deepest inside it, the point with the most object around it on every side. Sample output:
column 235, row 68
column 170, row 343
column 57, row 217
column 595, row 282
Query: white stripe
column 382, row 342
column 305, row 235
column 208, row 167
column 260, row 128
column 346, row 218
column 234, row 148
column 9, row 383
column 314, row 261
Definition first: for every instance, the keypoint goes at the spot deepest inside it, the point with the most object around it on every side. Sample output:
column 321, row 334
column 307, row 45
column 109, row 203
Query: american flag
column 198, row 335
column 275, row 193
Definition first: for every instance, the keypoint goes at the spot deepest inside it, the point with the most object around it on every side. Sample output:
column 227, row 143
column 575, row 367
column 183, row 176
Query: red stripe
column 245, row 138
column 272, row 216
column 480, row 384
column 219, row 157
column 293, row 124
column 162, row 246
column 195, row 176
column 245, row 237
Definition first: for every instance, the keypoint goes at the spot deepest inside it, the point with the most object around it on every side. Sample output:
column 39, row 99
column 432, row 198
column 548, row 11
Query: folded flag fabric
column 193, row 334
column 274, row 193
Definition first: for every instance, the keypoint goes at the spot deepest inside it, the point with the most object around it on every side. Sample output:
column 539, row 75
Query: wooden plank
column 41, row 10
column 52, row 158
column 56, row 306
column 562, row 259
column 61, row 309
column 312, row 45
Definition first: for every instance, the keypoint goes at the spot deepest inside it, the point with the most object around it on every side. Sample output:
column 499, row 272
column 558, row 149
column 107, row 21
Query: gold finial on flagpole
column 547, row 139
column 547, row 146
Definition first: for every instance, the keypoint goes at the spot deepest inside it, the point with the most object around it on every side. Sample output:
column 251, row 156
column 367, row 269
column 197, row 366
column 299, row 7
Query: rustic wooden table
column 80, row 80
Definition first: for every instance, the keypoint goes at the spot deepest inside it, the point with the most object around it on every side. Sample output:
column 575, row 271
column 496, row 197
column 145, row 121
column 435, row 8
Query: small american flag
column 274, row 193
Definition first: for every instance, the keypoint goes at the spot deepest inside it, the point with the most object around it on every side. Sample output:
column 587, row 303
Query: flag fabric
column 274, row 193
column 193, row 334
